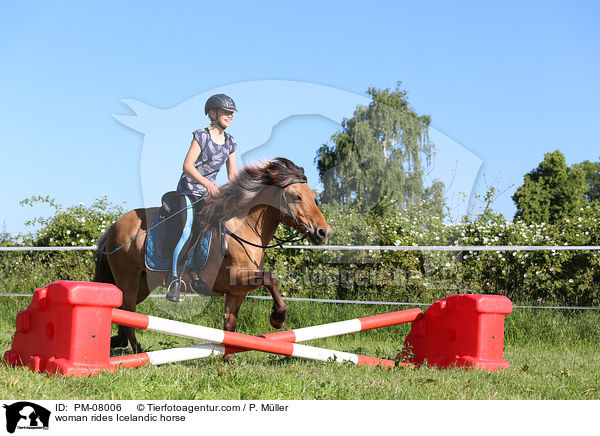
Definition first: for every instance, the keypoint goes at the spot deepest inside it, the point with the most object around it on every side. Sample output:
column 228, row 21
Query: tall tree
column 592, row 178
column 380, row 152
column 550, row 192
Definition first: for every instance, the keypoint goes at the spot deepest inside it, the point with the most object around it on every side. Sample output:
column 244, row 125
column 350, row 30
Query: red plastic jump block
column 66, row 329
column 462, row 330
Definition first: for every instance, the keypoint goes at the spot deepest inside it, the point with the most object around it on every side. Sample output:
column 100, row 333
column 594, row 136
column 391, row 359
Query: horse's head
column 278, row 183
column 300, row 211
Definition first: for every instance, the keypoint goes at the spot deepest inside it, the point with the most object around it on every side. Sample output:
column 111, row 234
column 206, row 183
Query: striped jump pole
column 282, row 343
column 290, row 336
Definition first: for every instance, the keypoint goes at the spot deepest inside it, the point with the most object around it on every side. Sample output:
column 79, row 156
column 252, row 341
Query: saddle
column 166, row 232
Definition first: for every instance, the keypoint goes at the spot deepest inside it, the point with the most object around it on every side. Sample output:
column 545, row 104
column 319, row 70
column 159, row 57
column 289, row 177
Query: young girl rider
column 210, row 149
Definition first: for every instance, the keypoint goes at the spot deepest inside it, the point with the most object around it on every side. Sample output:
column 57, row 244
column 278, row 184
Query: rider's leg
column 185, row 247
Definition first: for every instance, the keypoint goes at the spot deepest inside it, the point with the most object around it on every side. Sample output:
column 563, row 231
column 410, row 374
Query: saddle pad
column 162, row 263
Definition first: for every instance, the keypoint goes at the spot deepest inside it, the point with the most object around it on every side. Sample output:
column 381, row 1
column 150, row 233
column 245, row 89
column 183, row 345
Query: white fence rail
column 373, row 248
column 47, row 248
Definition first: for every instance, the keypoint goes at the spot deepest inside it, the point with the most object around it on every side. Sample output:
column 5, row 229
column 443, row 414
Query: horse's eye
column 298, row 198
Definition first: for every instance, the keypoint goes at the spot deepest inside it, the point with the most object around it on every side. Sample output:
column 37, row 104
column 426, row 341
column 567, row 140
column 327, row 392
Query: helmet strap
column 217, row 122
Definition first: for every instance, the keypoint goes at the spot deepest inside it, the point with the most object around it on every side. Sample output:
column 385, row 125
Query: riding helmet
column 219, row 101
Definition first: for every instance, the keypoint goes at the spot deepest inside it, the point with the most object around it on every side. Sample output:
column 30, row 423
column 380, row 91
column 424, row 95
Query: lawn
column 553, row 355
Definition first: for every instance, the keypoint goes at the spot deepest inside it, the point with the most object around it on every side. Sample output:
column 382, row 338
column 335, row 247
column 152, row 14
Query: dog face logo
column 26, row 415
column 275, row 113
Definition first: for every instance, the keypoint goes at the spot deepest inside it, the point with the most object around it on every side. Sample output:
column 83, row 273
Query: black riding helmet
column 219, row 101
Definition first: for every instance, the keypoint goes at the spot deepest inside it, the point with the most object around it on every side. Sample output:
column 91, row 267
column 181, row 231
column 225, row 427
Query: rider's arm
column 231, row 166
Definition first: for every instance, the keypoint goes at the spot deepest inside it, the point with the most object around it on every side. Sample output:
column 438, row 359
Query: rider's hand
column 212, row 189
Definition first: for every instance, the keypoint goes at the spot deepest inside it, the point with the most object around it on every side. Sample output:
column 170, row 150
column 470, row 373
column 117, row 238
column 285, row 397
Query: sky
column 101, row 99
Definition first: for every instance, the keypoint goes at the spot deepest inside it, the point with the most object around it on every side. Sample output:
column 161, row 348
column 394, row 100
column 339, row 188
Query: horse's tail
column 103, row 273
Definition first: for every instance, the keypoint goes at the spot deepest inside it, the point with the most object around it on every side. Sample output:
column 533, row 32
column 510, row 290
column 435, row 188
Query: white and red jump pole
column 284, row 343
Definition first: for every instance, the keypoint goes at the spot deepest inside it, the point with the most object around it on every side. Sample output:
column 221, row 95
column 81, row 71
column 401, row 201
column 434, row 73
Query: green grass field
column 553, row 355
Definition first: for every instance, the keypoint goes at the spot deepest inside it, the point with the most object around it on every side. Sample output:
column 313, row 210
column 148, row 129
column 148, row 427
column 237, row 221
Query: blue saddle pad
column 156, row 262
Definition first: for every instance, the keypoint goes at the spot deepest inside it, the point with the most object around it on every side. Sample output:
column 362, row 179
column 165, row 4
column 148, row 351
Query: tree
column 550, row 192
column 379, row 154
column 592, row 178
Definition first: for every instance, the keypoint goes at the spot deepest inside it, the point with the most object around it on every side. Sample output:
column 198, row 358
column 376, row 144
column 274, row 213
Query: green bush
column 75, row 226
column 533, row 277
column 370, row 274
column 565, row 277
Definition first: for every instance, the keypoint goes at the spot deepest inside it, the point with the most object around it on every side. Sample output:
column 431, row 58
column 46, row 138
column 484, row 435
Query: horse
column 251, row 207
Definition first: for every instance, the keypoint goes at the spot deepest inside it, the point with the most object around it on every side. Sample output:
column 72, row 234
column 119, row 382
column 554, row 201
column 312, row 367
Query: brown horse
column 251, row 208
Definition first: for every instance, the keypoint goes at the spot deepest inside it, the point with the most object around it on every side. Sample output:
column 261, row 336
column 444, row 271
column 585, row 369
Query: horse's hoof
column 118, row 342
column 200, row 287
column 137, row 349
column 277, row 320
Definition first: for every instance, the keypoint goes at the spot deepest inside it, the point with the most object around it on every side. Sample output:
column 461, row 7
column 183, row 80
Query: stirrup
column 174, row 290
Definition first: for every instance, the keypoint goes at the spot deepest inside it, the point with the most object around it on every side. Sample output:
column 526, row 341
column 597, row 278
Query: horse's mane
column 238, row 195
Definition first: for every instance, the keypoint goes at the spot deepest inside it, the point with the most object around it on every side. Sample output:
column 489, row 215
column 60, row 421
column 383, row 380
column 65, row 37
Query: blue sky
column 505, row 83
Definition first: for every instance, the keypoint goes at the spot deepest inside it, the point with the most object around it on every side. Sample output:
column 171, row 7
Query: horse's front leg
column 268, row 280
column 279, row 311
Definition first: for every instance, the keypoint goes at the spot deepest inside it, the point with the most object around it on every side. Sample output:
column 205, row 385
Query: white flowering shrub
column 373, row 274
column 78, row 225
column 536, row 277
column 566, row 277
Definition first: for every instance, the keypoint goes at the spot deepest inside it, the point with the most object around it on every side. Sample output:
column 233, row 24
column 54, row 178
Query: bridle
column 298, row 234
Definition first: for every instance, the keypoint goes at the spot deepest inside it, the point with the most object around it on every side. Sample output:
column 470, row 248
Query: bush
column 373, row 274
column 562, row 277
column 533, row 277
column 75, row 226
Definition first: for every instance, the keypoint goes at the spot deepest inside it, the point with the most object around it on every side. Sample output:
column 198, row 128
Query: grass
column 553, row 355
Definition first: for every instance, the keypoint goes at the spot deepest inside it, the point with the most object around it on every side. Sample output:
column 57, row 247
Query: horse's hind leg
column 120, row 340
column 230, row 314
column 232, row 307
column 125, row 334
column 129, row 287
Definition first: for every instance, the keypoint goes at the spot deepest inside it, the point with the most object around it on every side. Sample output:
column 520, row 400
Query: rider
column 210, row 149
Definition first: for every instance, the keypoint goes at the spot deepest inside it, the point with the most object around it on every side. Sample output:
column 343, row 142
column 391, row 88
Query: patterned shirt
column 211, row 159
